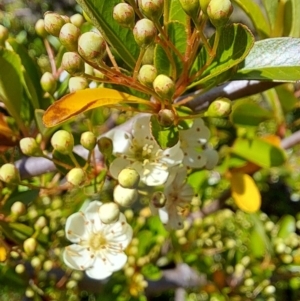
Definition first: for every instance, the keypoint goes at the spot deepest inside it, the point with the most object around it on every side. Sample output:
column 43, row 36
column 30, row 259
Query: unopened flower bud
column 30, row 245
column 66, row 18
column 91, row 46
column 3, row 34
column 147, row 75
column 219, row 12
column 191, row 7
column 105, row 146
column 36, row 262
column 88, row 140
column 148, row 57
column 29, row 147
column 164, row 86
column 152, row 9
column 77, row 20
column 158, row 199
column 72, row 63
column 18, row 208
column 204, row 5
column 40, row 223
column 63, row 142
column 9, row 174
column 69, row 35
column 144, row 32
column 129, row 178
column 20, row 268
column 48, row 82
column 125, row 196
column 124, row 14
column 53, row 23
column 77, row 83
column 40, row 28
column 109, row 213
column 221, row 107
column 166, row 117
column 76, row 176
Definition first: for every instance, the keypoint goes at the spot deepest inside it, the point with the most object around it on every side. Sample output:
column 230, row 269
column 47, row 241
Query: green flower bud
column 53, row 23
column 125, row 196
column 129, row 178
column 124, row 14
column 91, row 46
column 109, row 213
column 77, row 83
column 221, row 107
column 191, row 7
column 63, row 142
column 20, row 268
column 69, row 35
column 219, row 12
column 147, row 75
column 66, row 18
column 18, row 208
column 77, row 20
column 3, row 34
column 88, row 140
column 76, row 176
column 166, row 117
column 9, row 174
column 164, row 86
column 105, row 146
column 204, row 5
column 148, row 57
column 48, row 82
column 144, row 32
column 40, row 223
column 30, row 245
column 72, row 63
column 36, row 262
column 29, row 147
column 152, row 9
column 40, row 28
column 48, row 265
column 158, row 199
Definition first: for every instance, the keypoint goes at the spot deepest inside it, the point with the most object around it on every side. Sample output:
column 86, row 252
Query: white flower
column 193, row 142
column 141, row 152
column 179, row 195
column 97, row 247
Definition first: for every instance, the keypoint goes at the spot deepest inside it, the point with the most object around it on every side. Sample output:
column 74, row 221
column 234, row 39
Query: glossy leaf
column 286, row 97
column 176, row 13
column 259, row 151
column 83, row 100
column 249, row 113
column 276, row 59
column 178, row 36
column 235, row 43
column 291, row 18
column 121, row 39
column 11, row 90
column 255, row 13
column 245, row 192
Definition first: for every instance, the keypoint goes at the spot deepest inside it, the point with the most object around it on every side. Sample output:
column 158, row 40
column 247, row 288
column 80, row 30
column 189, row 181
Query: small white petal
column 194, row 159
column 92, row 215
column 76, row 227
column 117, row 166
column 154, row 175
column 77, row 257
column 121, row 140
column 212, row 158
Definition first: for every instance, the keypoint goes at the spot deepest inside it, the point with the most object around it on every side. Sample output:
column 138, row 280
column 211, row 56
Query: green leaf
column 178, row 36
column 176, row 13
column 31, row 73
column 286, row 226
column 249, row 113
column 254, row 12
column 271, row 10
column 121, row 39
column 276, row 59
column 151, row 272
column 291, row 18
column 286, row 97
column 236, row 40
column 259, row 151
column 11, row 90
column 165, row 137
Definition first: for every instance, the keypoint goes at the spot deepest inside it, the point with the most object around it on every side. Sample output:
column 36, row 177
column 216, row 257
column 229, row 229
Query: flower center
column 97, row 241
column 144, row 153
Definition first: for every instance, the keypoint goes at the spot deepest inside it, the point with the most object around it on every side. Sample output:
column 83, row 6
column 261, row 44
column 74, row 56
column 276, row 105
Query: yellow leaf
column 245, row 192
column 84, row 100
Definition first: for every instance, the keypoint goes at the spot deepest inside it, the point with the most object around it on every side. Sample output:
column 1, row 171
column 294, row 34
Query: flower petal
column 76, row 227
column 212, row 158
column 92, row 215
column 77, row 257
column 117, row 166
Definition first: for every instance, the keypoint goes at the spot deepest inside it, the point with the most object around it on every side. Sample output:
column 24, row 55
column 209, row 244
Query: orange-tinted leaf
column 245, row 192
column 83, row 100
column 272, row 139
